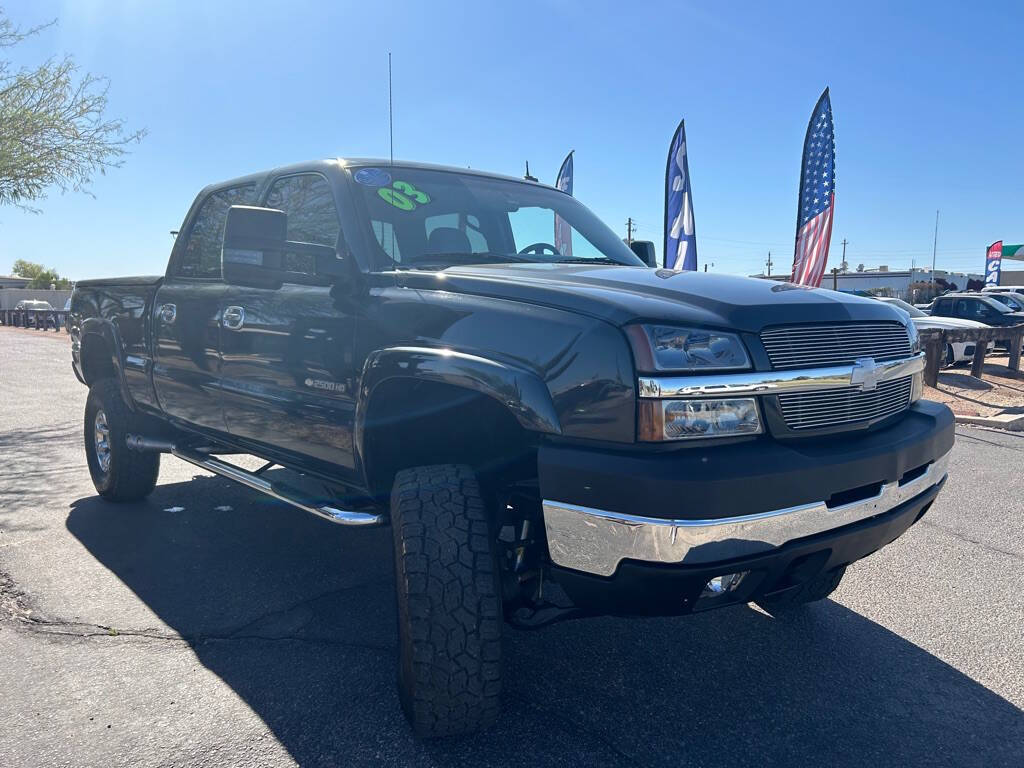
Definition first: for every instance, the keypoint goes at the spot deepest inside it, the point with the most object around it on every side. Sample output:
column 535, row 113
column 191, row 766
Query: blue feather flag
column 680, row 233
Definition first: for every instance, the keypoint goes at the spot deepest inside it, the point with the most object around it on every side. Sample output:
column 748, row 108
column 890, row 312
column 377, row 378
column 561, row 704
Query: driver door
column 288, row 376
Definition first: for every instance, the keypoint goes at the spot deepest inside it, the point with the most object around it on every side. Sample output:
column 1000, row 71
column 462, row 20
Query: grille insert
column 818, row 346
column 816, row 410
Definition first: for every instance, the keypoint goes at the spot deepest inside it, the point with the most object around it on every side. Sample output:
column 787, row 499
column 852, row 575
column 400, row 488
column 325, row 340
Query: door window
column 200, row 256
column 971, row 309
column 312, row 215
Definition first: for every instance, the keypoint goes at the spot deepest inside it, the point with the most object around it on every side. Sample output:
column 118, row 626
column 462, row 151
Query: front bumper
column 652, row 589
column 596, row 541
column 718, row 504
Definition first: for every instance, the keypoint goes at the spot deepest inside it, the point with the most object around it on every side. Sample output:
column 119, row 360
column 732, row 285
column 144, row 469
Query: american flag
column 817, row 197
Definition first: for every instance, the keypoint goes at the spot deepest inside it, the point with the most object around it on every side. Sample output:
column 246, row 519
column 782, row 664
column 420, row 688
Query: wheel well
column 97, row 359
column 414, row 423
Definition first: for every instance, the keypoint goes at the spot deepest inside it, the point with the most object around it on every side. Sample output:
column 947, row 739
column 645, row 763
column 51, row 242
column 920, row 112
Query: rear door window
column 200, row 254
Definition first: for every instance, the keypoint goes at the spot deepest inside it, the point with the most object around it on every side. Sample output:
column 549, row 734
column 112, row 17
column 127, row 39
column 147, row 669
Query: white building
column 885, row 282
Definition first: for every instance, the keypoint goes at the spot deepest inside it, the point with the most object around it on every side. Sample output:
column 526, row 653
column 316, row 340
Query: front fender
column 523, row 393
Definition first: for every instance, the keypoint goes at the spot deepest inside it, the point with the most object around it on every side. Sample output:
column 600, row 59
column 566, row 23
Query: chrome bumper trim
column 595, row 540
column 781, row 382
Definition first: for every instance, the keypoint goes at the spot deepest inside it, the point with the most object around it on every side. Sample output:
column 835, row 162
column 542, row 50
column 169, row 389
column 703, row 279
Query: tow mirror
column 256, row 252
column 645, row 250
column 254, row 245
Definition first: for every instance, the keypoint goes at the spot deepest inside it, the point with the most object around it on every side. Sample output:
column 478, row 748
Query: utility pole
column 630, row 228
column 935, row 245
column 844, row 249
column 769, row 263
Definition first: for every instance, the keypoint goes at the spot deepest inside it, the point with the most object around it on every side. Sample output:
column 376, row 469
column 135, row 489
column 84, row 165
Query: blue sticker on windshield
column 373, row 177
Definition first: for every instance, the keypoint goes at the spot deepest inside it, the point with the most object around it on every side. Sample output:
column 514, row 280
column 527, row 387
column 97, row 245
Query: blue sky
column 926, row 98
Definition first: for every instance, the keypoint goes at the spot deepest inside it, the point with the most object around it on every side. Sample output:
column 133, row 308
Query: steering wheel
column 541, row 249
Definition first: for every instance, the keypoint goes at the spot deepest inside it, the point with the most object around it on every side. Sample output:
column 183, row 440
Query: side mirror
column 644, row 249
column 255, row 248
column 254, row 245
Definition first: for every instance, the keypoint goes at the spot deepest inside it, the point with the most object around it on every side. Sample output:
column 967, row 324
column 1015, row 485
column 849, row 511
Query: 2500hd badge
column 549, row 432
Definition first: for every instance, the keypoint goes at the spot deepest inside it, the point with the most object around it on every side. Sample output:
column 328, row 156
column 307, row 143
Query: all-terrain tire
column 818, row 588
column 449, row 605
column 129, row 475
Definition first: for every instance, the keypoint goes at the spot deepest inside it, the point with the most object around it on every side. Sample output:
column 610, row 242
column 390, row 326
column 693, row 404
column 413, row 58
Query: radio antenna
column 391, row 118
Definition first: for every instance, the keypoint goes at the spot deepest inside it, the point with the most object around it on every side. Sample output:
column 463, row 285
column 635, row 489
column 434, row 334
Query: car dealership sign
column 994, row 259
column 993, row 262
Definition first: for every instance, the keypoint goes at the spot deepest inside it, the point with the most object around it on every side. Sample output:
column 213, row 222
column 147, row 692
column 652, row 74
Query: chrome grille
column 811, row 410
column 814, row 346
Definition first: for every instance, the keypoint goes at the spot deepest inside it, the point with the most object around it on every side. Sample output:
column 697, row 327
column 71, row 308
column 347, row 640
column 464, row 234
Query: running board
column 282, row 493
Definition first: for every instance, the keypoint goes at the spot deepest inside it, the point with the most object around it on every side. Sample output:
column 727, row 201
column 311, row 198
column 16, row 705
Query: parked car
column 1014, row 301
column 1003, row 289
column 955, row 352
column 32, row 319
column 979, row 307
column 552, row 430
column 33, row 304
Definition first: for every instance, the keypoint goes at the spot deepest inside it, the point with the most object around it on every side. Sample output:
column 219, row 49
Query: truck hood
column 621, row 295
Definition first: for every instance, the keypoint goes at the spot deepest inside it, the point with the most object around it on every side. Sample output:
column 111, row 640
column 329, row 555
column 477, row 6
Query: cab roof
column 330, row 164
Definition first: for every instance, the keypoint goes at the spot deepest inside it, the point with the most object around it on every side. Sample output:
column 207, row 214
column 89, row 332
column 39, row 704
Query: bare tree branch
column 54, row 131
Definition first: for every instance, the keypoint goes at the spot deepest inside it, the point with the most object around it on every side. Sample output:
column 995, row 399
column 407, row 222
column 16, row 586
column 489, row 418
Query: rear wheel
column 119, row 473
column 449, row 605
column 818, row 588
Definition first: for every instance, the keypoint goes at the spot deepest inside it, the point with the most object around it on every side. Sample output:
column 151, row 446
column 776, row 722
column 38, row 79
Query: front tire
column 449, row 605
column 119, row 473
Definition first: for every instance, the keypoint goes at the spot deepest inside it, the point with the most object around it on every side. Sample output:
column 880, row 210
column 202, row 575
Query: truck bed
column 116, row 309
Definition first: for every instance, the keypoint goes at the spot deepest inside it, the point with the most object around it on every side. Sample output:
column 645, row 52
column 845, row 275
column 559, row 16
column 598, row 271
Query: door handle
column 168, row 313
column 233, row 318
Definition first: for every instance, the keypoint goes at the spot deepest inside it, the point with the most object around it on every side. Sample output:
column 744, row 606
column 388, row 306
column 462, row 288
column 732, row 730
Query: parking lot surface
column 212, row 626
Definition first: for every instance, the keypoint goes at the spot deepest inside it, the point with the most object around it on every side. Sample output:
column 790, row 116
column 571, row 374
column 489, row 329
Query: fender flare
column 523, row 393
column 104, row 332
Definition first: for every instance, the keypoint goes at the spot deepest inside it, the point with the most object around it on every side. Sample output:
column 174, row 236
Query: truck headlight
column 693, row 419
column 917, row 386
column 665, row 348
column 915, row 338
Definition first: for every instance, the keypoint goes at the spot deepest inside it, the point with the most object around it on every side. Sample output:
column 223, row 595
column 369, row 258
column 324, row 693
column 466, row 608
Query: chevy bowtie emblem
column 866, row 374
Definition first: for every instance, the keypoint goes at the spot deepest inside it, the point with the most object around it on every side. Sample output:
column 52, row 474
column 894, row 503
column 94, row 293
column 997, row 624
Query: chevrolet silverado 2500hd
column 550, row 428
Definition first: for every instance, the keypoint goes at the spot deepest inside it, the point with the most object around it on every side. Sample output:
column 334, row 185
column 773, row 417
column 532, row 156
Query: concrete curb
column 1011, row 422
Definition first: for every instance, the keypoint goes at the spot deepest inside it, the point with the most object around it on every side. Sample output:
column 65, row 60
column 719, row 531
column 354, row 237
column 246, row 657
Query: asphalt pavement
column 212, row 626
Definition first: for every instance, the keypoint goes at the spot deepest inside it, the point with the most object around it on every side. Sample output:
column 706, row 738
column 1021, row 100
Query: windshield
column 424, row 219
column 909, row 309
column 1008, row 300
column 998, row 305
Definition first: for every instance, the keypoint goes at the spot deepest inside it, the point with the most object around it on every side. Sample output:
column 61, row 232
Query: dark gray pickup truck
column 550, row 428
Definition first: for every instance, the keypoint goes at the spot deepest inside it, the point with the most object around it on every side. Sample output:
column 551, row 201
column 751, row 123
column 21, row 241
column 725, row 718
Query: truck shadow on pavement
column 297, row 617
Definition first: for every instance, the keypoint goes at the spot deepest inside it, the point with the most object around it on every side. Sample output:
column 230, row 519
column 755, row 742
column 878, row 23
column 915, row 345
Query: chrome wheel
column 101, row 439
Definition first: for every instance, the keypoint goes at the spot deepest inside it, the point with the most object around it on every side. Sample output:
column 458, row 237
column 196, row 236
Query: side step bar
column 282, row 493
column 254, row 481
